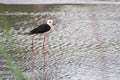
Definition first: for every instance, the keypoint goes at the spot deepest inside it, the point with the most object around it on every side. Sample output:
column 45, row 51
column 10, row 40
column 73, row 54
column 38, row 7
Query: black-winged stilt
column 43, row 28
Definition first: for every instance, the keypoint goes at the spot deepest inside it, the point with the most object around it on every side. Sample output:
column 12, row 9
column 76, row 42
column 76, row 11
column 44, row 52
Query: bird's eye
column 50, row 22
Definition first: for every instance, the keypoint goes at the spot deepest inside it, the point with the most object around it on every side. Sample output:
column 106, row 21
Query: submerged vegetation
column 4, row 53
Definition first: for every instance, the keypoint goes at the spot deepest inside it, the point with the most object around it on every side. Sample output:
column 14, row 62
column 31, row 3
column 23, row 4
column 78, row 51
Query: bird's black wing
column 40, row 29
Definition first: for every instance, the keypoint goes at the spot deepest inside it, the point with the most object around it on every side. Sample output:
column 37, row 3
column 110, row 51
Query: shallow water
column 85, row 44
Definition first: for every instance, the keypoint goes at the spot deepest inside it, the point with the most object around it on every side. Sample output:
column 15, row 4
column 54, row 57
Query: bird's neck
column 52, row 28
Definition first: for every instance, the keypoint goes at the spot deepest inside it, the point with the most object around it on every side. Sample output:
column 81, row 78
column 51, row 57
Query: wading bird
column 43, row 28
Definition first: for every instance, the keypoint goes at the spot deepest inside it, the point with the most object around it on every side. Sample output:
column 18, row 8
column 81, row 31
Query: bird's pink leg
column 44, row 58
column 33, row 52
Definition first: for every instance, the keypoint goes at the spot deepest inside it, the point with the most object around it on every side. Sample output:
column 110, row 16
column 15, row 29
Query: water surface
column 84, row 45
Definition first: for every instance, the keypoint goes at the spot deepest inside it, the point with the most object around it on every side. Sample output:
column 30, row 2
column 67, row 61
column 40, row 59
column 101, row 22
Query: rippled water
column 84, row 46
